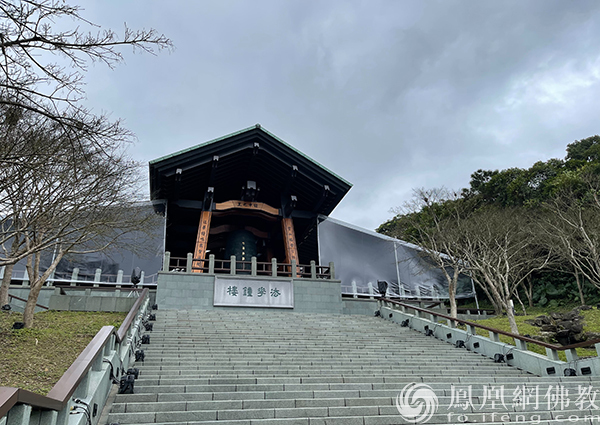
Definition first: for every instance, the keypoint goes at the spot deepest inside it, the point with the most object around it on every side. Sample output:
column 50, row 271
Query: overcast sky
column 390, row 95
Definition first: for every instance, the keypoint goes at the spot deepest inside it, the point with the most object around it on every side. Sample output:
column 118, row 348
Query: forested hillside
column 528, row 235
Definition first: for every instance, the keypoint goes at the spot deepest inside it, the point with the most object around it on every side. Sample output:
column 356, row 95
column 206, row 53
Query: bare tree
column 572, row 226
column 501, row 252
column 432, row 220
column 76, row 200
column 42, row 69
column 65, row 180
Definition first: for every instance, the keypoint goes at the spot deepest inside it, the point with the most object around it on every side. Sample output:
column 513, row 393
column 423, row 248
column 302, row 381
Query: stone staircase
column 254, row 367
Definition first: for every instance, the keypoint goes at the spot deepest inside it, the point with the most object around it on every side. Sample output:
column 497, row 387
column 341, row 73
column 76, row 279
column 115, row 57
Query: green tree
column 584, row 150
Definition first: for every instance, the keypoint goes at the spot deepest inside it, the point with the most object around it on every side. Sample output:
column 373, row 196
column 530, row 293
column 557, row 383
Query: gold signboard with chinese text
column 255, row 206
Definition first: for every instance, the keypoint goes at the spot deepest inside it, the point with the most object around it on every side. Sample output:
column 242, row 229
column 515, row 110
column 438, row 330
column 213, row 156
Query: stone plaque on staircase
column 254, row 293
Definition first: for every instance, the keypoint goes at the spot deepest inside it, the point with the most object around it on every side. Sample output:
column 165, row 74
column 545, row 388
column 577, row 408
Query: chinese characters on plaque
column 254, row 293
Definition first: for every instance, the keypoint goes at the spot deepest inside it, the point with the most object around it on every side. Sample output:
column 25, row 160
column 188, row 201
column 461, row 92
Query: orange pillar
column 289, row 241
column 201, row 240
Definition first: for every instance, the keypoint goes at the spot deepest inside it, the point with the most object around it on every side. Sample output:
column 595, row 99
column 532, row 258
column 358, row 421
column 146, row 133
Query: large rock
column 542, row 320
column 549, row 328
column 566, row 328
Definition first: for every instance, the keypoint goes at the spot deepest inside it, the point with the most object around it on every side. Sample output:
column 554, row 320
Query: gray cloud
column 390, row 95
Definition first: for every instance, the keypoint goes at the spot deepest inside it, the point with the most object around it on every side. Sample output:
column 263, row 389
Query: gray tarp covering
column 148, row 258
column 362, row 257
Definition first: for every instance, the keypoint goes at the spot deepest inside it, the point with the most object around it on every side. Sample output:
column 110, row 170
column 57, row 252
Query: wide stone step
column 155, row 389
column 441, row 389
column 304, row 376
column 369, row 420
column 312, row 365
column 145, row 380
column 446, row 404
column 352, row 414
column 332, row 358
column 236, row 368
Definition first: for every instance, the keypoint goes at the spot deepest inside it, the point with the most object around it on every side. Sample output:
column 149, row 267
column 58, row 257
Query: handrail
column 8, row 398
column 497, row 331
column 67, row 384
column 59, row 395
column 122, row 332
column 24, row 300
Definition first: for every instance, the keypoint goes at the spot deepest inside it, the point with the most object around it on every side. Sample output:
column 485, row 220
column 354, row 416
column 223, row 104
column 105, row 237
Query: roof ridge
column 254, row 127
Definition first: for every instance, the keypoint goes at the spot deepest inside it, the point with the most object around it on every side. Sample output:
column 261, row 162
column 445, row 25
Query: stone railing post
column 313, row 269
column 294, row 270
column 552, row 354
column 253, row 266
column 188, row 263
column 494, row 336
column 521, row 345
column 119, row 282
column 20, row 414
column 274, row 267
column 97, row 277
column 97, row 364
column 571, row 355
column 83, row 388
column 331, row 270
column 232, row 266
column 74, row 276
column 211, row 264
column 166, row 261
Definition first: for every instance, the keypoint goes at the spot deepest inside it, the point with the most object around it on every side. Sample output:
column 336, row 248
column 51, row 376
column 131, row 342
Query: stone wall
column 77, row 299
column 361, row 306
column 23, row 292
column 89, row 302
column 195, row 291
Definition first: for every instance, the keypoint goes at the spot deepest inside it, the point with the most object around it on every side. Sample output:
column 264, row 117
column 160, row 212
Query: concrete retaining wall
column 23, row 292
column 195, row 291
column 521, row 358
column 84, row 302
column 77, row 299
column 361, row 306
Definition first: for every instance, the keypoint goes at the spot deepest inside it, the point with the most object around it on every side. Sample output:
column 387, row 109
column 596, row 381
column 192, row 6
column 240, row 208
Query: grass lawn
column 35, row 359
column 591, row 324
